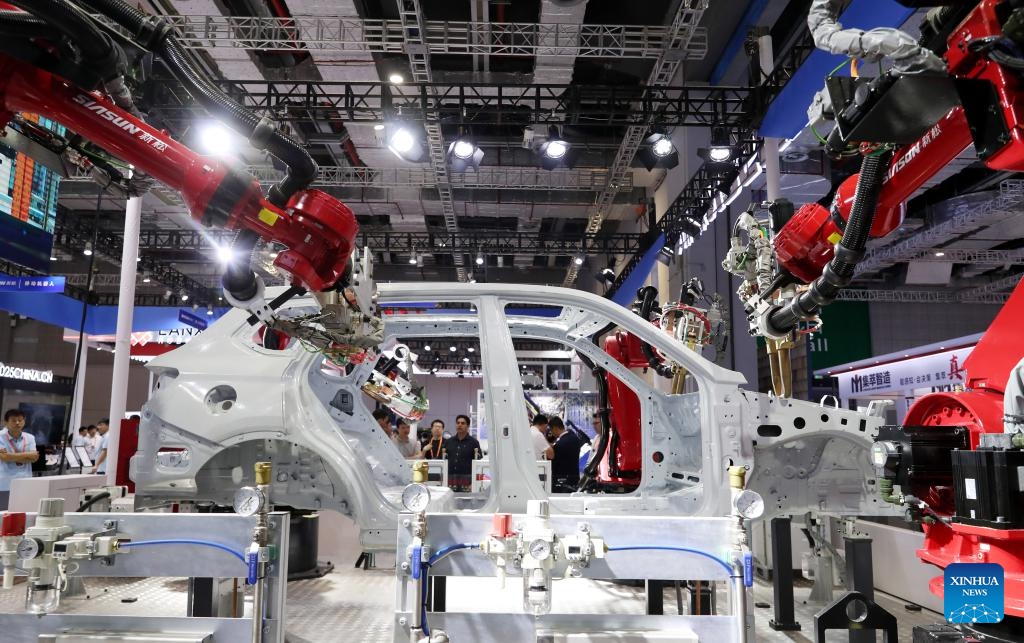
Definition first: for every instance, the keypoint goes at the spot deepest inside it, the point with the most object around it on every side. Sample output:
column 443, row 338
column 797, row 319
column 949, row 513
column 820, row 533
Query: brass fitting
column 419, row 471
column 263, row 470
column 737, row 477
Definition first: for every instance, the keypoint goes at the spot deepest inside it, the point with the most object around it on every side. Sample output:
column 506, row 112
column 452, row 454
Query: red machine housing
column 980, row 409
column 805, row 244
column 621, row 464
column 317, row 229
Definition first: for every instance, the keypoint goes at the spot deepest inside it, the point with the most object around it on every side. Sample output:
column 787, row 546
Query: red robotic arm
column 317, row 229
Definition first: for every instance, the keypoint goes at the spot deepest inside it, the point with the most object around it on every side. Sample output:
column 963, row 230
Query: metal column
column 859, row 577
column 782, row 576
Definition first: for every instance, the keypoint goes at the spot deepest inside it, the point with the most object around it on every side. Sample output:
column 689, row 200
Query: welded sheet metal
column 713, row 536
column 484, row 628
column 175, row 560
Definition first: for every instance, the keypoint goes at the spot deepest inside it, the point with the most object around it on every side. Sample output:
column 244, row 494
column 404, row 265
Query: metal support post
column 122, row 341
column 655, row 594
column 782, row 576
column 859, row 577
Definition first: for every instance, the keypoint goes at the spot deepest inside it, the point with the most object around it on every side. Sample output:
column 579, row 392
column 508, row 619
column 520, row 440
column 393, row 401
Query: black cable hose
column 153, row 34
column 838, row 274
column 647, row 296
column 23, row 25
column 602, row 410
column 103, row 495
column 238, row 278
column 97, row 48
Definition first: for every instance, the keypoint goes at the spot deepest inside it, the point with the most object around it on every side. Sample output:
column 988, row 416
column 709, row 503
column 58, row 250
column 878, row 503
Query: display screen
column 28, row 198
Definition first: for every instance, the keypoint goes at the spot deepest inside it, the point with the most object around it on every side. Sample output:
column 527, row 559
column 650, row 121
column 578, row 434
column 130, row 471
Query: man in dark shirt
column 565, row 465
column 460, row 450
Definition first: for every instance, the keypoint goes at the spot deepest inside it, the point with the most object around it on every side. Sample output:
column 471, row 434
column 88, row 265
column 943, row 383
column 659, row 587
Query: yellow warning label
column 833, row 238
column 268, row 216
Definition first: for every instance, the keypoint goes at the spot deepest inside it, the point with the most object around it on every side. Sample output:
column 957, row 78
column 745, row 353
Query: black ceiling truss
column 72, row 232
column 485, row 104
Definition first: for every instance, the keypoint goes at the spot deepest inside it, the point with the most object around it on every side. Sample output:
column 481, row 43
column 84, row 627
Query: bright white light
column 663, row 147
column 427, row 347
column 578, row 261
column 184, row 296
column 273, row 255
column 225, row 255
column 412, row 260
column 940, row 254
column 396, row 78
column 402, row 141
column 378, row 127
column 556, row 149
column 479, row 260
column 452, row 349
column 463, row 149
column 146, row 279
column 138, row 259
column 465, row 359
column 88, row 250
column 214, row 138
column 209, row 311
column 471, row 349
column 720, row 154
column 52, row 258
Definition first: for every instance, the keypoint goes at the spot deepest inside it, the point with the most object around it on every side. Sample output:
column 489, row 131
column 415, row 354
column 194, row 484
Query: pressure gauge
column 249, row 501
column 540, row 549
column 29, row 548
column 749, row 504
column 416, row 497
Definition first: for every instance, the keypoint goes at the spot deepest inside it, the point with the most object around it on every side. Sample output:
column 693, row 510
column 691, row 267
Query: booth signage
column 27, row 374
column 31, row 284
column 938, row 371
column 195, row 321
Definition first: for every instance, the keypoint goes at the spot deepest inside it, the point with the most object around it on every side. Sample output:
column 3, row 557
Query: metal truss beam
column 687, row 16
column 973, row 257
column 413, row 33
column 483, row 104
column 486, row 178
column 72, row 232
column 338, row 35
column 923, row 296
column 1006, row 205
column 460, row 242
column 999, row 285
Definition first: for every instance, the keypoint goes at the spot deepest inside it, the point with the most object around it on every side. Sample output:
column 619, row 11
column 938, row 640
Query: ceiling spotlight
column 145, row 278
column 464, row 155
column 555, row 151
column 396, row 78
column 184, row 296
column 407, row 140
column 209, row 310
column 471, row 349
column 578, row 260
column 466, row 360
column 138, row 258
column 479, row 259
column 606, row 275
column 721, row 145
column 940, row 254
column 658, row 150
column 88, row 249
column 379, row 127
column 215, row 138
column 53, row 258
column 412, row 259
column 426, row 347
column 452, row 348
column 167, row 294
column 225, row 255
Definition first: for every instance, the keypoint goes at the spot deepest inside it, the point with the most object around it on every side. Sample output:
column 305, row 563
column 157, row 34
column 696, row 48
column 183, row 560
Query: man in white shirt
column 100, row 466
column 17, row 452
column 539, row 436
column 79, row 439
column 409, row 448
column 92, row 441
